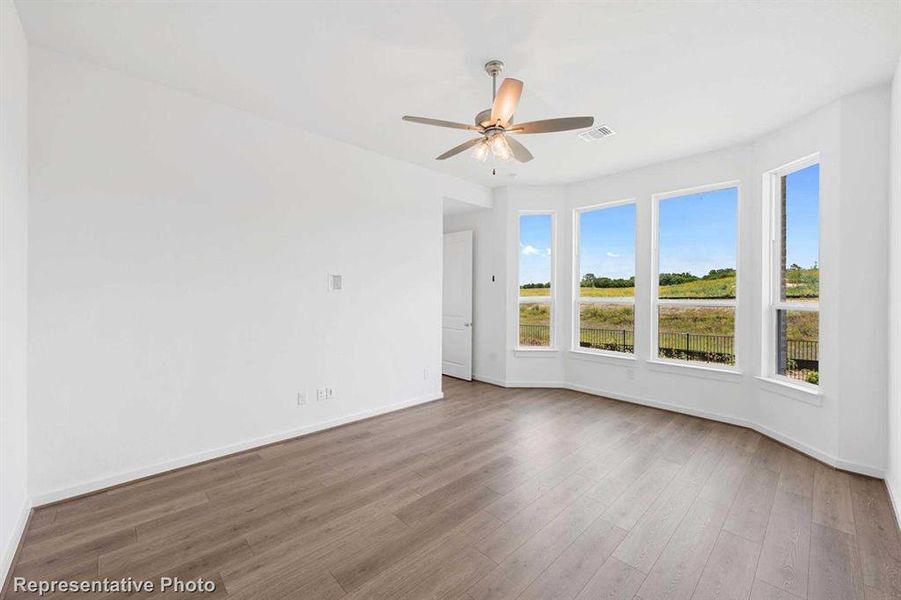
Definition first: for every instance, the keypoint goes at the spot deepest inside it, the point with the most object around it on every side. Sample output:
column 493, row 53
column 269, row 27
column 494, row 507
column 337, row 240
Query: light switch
column 335, row 282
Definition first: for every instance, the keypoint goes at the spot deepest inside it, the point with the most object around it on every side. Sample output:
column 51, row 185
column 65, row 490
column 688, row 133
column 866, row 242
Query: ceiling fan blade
column 520, row 152
column 506, row 101
column 552, row 125
column 458, row 149
column 440, row 123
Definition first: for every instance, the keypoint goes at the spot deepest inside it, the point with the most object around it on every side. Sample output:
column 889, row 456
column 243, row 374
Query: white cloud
column 530, row 250
column 613, row 255
column 547, row 251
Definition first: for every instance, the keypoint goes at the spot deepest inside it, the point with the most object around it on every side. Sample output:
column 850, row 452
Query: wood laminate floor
column 493, row 493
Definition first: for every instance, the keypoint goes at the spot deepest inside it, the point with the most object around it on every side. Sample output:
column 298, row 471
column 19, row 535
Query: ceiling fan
column 495, row 124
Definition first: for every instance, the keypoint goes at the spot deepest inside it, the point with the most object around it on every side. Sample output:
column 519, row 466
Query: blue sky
column 802, row 193
column 698, row 232
column 607, row 242
column 534, row 248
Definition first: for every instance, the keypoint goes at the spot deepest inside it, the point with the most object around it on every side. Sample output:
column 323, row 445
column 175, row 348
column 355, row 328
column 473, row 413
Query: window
column 604, row 313
column 792, row 339
column 536, row 276
column 694, row 295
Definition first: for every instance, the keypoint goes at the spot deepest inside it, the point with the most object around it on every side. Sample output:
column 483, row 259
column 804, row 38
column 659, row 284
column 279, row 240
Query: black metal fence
column 619, row 340
column 697, row 346
column 802, row 354
column 534, row 335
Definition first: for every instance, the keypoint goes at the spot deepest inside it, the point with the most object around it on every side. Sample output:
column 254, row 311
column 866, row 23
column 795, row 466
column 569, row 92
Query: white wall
column 179, row 253
column 683, row 387
column 14, row 503
column 894, row 394
column 811, row 424
column 845, row 424
column 848, row 428
column 862, row 335
column 535, row 367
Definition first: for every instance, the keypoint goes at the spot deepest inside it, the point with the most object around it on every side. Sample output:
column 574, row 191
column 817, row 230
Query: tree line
column 590, row 280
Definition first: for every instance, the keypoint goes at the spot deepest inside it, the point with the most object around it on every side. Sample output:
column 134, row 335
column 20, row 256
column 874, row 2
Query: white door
column 456, row 313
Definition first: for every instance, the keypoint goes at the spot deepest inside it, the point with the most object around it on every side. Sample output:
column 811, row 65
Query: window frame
column 577, row 288
column 772, row 253
column 656, row 302
column 551, row 298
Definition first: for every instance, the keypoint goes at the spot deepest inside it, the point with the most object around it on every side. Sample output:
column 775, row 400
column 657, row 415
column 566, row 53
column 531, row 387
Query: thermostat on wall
column 334, row 282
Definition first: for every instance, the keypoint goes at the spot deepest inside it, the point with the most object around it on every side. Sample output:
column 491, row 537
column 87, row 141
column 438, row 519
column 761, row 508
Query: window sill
column 618, row 358
column 702, row 371
column 535, row 352
column 794, row 391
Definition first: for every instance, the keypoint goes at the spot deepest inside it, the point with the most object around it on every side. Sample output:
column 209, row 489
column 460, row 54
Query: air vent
column 593, row 135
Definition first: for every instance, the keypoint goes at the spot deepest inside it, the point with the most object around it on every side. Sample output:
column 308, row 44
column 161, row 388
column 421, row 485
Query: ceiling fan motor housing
column 483, row 119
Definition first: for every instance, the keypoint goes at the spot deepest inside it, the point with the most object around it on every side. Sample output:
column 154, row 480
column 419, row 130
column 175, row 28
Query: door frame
column 461, row 370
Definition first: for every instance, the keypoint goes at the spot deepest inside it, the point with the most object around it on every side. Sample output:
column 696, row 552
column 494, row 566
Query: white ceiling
column 452, row 206
column 671, row 78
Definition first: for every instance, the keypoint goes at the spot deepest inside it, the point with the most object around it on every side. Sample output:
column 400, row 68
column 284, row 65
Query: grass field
column 715, row 324
column 699, row 320
column 715, row 321
column 800, row 283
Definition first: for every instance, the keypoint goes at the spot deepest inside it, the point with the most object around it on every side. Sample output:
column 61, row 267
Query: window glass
column 534, row 324
column 698, row 245
column 607, row 251
column 800, row 271
column 606, row 254
column 697, row 277
column 697, row 333
column 797, row 345
column 535, row 280
column 607, row 327
column 795, row 307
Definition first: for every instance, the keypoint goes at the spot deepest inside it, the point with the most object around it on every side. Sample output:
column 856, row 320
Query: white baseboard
column 853, row 467
column 889, row 485
column 816, row 453
column 488, row 379
column 536, row 384
column 126, row 476
column 9, row 552
column 663, row 405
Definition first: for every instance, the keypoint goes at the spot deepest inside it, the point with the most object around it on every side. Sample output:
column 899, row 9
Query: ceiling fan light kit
column 480, row 151
column 495, row 125
column 500, row 147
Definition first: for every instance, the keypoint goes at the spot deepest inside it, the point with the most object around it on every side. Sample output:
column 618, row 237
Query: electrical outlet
column 329, row 393
column 320, row 394
column 301, row 398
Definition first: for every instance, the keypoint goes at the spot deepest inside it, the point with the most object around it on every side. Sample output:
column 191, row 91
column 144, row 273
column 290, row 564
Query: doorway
column 456, row 311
